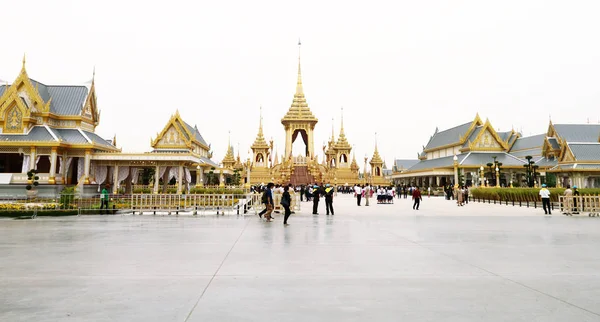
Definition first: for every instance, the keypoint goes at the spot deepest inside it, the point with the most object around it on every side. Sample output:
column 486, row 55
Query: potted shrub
column 32, row 183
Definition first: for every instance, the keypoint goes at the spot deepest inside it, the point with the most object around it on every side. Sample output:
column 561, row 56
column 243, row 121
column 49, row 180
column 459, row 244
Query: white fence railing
column 580, row 205
column 139, row 204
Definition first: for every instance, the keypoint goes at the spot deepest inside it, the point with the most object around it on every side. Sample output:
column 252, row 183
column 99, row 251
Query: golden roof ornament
column 259, row 142
column 229, row 160
column 342, row 142
column 299, row 110
column 376, row 159
column 354, row 165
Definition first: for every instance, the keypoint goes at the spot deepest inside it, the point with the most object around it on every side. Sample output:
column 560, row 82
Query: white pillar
column 63, row 161
column 180, row 180
column 33, row 156
column 198, row 176
column 156, row 179
column 86, row 167
column 52, row 176
column 115, row 188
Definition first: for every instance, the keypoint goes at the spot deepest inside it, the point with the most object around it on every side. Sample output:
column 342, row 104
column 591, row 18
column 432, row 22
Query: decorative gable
column 176, row 135
column 90, row 111
column 488, row 140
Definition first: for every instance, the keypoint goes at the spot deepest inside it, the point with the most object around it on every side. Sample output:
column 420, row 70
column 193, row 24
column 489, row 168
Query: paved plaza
column 379, row 263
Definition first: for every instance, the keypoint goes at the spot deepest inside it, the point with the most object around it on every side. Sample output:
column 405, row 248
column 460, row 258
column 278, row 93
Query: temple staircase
column 301, row 176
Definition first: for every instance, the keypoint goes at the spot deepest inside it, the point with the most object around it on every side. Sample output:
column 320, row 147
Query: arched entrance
column 300, row 147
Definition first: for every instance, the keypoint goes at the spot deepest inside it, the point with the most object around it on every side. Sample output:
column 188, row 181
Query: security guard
column 329, row 199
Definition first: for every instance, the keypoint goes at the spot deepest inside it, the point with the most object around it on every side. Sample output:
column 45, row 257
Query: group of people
column 312, row 193
column 570, row 205
column 386, row 194
column 268, row 200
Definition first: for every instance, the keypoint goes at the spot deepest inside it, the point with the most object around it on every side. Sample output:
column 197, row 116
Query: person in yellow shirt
column 329, row 199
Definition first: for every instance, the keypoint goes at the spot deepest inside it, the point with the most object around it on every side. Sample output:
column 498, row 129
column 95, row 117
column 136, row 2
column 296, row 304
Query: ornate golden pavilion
column 300, row 122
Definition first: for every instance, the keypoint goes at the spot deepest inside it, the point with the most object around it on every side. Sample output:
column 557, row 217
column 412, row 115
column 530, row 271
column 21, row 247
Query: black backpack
column 265, row 197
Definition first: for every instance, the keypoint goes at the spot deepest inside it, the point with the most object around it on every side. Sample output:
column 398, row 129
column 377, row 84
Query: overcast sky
column 399, row 68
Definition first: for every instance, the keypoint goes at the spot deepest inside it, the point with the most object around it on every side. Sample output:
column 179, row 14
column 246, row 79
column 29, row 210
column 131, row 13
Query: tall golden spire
column 299, row 111
column 260, row 142
column 229, row 160
column 299, row 89
column 376, row 159
column 332, row 132
column 342, row 142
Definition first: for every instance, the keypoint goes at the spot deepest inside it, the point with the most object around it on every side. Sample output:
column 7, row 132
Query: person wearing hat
column 545, row 195
column 329, row 199
column 316, row 196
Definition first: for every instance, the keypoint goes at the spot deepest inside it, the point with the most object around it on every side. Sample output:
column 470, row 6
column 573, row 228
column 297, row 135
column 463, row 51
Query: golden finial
column 342, row 126
column 332, row 131
column 94, row 75
column 229, row 139
column 260, row 128
column 299, row 89
column 24, row 60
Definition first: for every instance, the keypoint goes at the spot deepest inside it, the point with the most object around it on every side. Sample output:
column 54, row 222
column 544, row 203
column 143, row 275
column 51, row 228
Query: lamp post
column 365, row 170
column 198, row 176
column 482, row 178
column 248, row 164
column 497, row 177
column 530, row 169
column 455, row 159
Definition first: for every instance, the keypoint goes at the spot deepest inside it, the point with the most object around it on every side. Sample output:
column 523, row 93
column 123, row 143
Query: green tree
column 147, row 175
column 550, row 179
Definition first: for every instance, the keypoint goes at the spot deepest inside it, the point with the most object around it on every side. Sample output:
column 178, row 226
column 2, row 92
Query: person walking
column 545, row 195
column 416, row 196
column 568, row 205
column 367, row 194
column 267, row 199
column 358, row 190
column 286, row 201
column 301, row 193
column 316, row 195
column 466, row 194
column 329, row 199
column 104, row 200
column 404, row 191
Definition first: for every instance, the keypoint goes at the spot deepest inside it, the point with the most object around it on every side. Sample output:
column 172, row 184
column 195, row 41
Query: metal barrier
column 580, row 205
column 135, row 204
column 64, row 204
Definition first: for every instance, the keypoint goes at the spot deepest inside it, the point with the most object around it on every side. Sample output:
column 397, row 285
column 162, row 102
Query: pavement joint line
column 500, row 276
column 217, row 271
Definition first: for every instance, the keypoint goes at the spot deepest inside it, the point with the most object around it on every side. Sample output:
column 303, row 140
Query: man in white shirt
column 545, row 195
column 358, row 191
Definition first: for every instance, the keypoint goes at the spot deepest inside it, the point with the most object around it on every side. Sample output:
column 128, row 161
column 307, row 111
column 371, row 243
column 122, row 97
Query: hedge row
column 523, row 194
column 50, row 213
column 218, row 191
